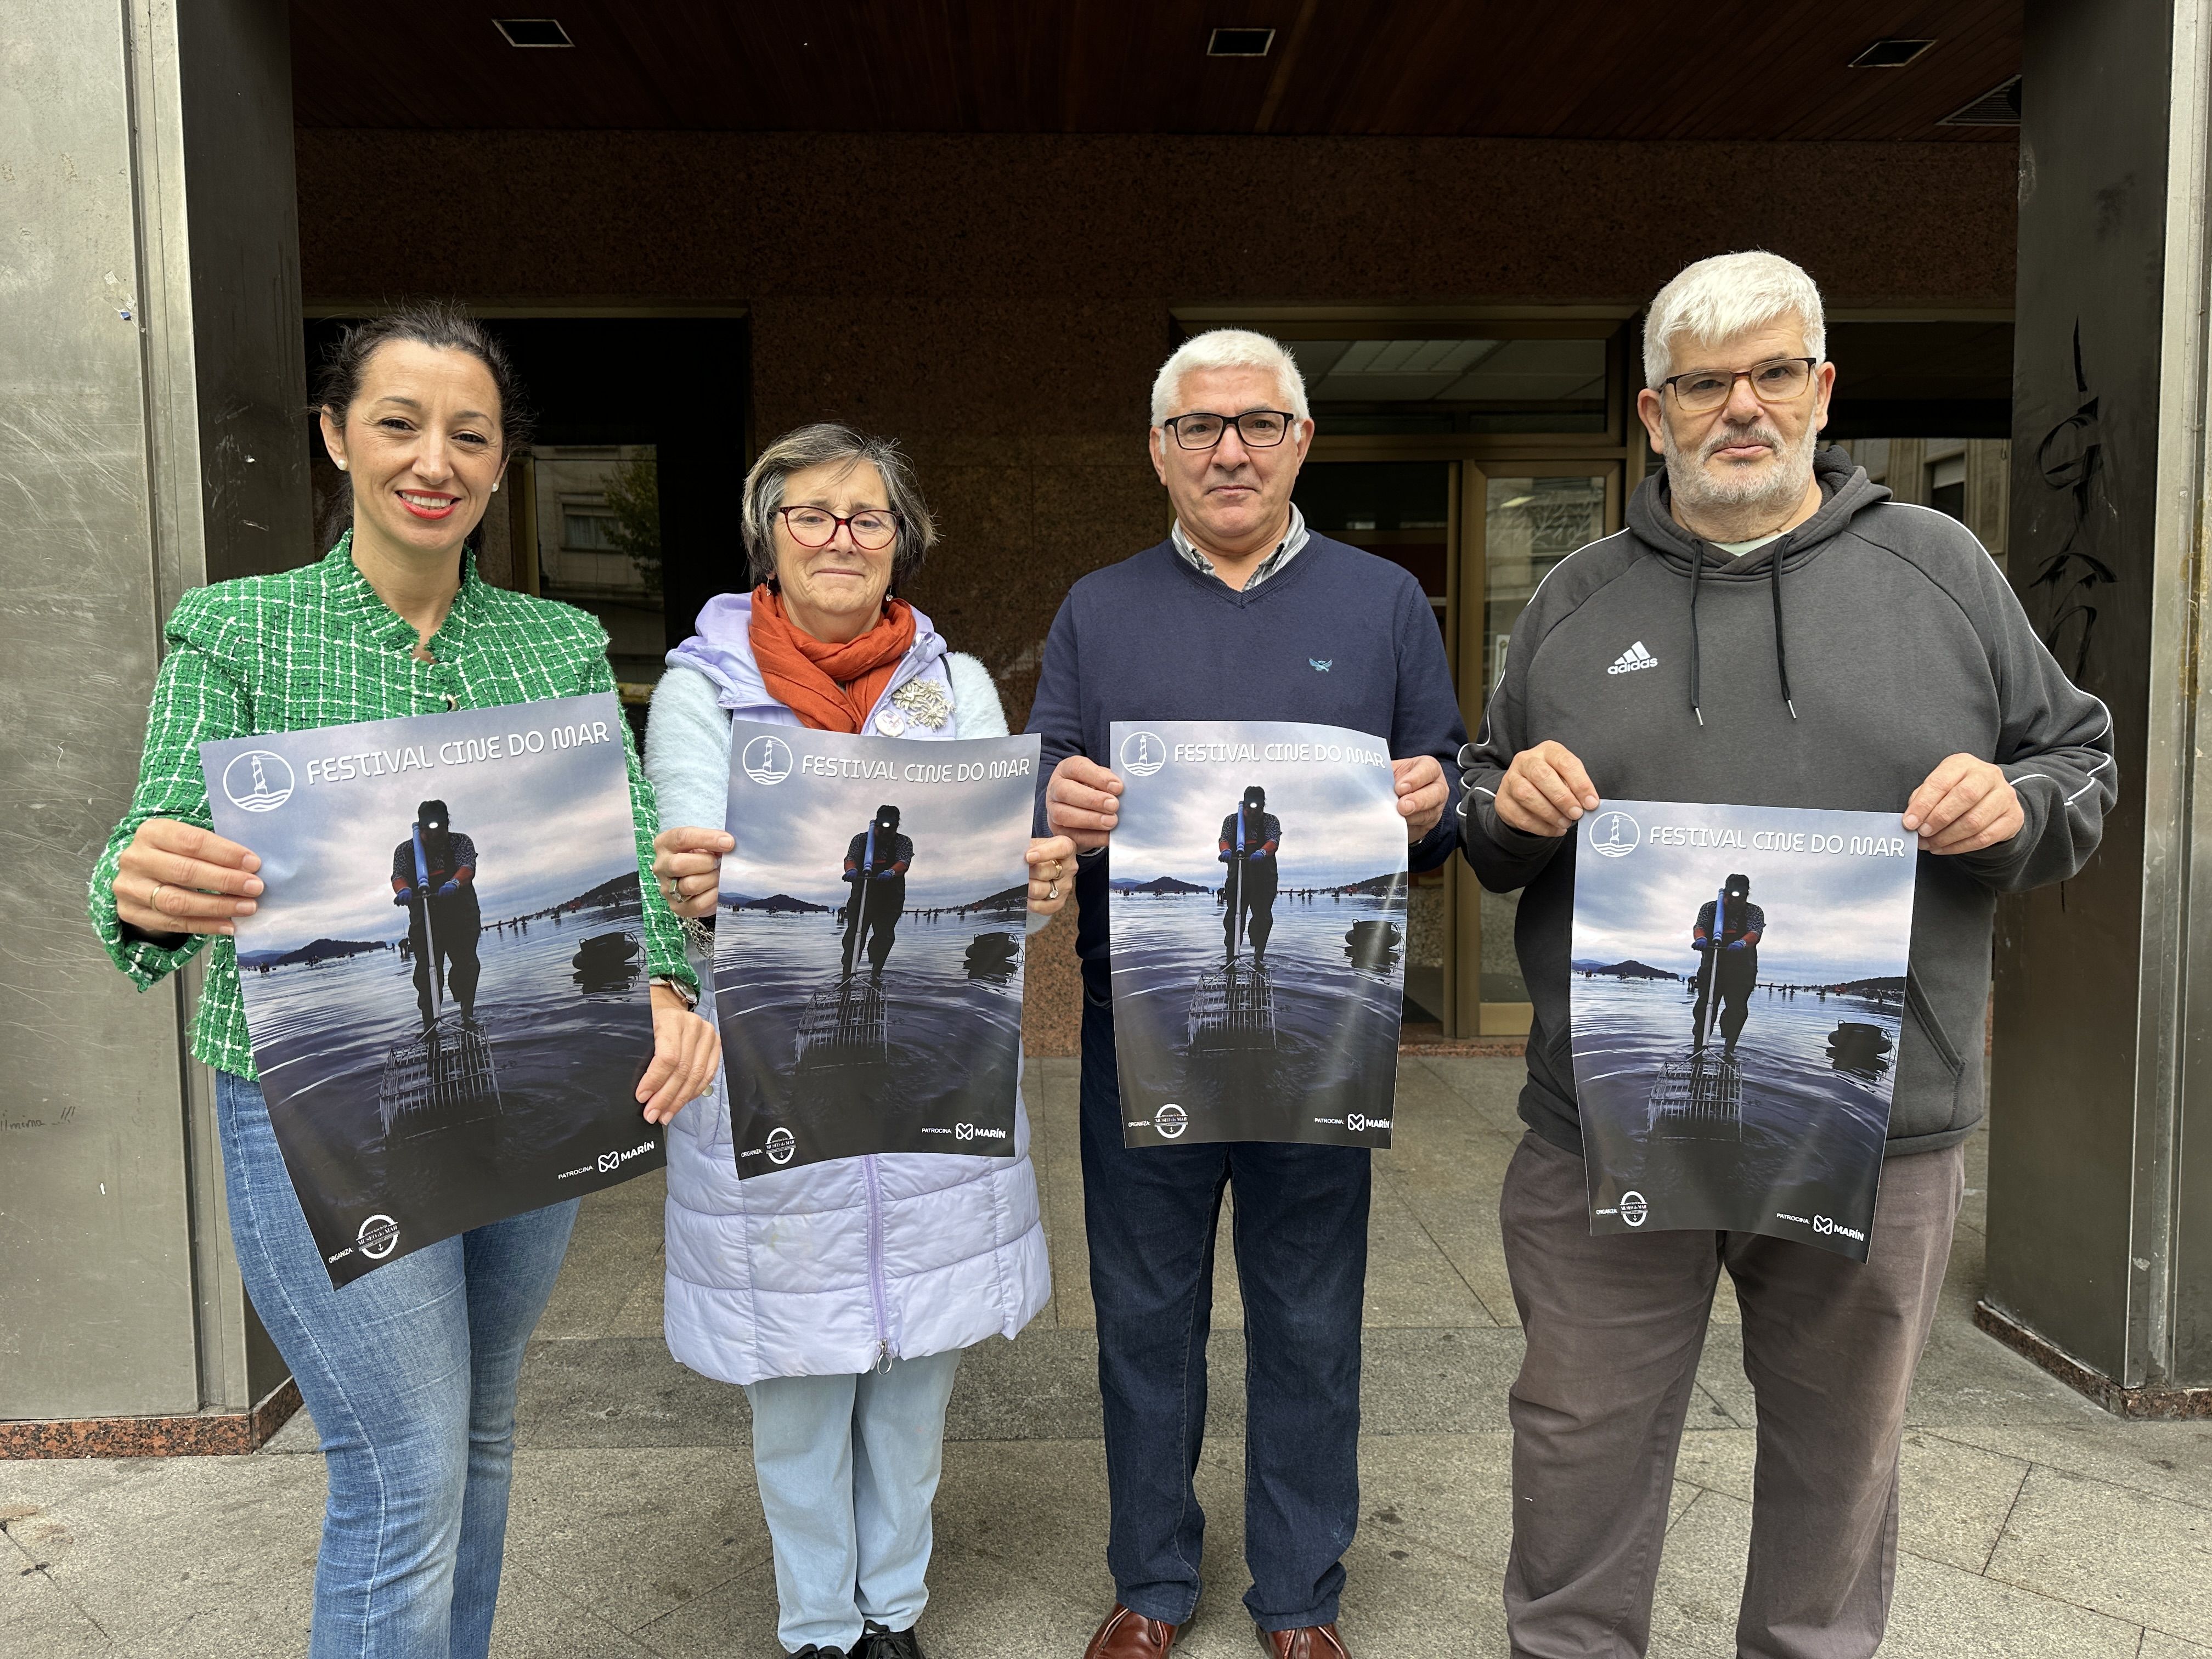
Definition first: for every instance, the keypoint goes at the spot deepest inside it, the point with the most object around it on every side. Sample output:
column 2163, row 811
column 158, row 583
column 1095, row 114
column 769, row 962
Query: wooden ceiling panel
column 1572, row 68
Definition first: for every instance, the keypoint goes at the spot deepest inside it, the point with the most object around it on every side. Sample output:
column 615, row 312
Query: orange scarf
column 831, row 688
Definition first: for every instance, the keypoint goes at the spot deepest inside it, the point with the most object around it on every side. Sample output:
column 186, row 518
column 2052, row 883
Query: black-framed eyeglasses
column 1776, row 380
column 1259, row 428
column 873, row 528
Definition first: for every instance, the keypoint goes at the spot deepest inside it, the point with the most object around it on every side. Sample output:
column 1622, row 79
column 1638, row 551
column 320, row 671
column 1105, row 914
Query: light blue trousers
column 847, row 1469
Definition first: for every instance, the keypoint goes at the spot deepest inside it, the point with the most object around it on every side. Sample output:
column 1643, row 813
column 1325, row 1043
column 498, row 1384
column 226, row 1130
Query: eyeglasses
column 873, row 528
column 1778, row 380
column 1260, row 429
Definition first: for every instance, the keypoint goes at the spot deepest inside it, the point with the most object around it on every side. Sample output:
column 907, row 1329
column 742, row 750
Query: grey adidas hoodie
column 1833, row 668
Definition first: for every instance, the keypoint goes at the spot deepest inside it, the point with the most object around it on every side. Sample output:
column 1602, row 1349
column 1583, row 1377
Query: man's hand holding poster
column 1739, row 984
column 1258, row 882
column 868, row 943
column 445, row 982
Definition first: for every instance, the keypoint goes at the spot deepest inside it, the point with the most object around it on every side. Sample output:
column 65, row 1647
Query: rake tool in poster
column 868, row 957
column 1258, row 901
column 1739, row 985
column 444, row 983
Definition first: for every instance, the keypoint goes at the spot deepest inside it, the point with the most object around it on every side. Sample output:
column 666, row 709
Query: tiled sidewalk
column 2034, row 1526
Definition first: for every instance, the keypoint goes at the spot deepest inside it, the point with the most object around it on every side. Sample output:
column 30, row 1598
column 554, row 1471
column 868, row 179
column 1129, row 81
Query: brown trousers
column 1615, row 1325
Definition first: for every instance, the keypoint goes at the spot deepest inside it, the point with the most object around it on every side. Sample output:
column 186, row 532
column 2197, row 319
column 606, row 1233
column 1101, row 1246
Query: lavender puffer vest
column 826, row 1269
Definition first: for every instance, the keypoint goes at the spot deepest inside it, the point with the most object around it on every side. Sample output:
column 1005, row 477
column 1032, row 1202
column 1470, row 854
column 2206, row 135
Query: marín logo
column 964, row 1132
column 969, row 1132
column 258, row 780
column 1143, row 753
column 1358, row 1121
column 379, row 1238
column 1825, row 1228
column 1634, row 658
column 1633, row 1210
column 781, row 1146
column 766, row 760
column 610, row 1162
column 1615, row 835
column 1171, row 1119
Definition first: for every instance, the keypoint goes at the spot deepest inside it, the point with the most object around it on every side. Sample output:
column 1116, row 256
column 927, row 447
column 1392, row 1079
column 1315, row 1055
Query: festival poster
column 445, row 981
column 1739, row 987
column 868, row 943
column 1257, row 917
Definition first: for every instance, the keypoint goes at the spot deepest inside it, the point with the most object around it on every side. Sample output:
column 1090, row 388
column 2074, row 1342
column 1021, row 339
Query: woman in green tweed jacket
column 410, row 1371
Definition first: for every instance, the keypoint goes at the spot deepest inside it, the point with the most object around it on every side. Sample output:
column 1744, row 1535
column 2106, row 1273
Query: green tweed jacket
column 315, row 646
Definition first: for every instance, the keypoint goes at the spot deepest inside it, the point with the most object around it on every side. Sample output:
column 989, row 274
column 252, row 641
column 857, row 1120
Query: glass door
column 1406, row 512
column 1521, row 518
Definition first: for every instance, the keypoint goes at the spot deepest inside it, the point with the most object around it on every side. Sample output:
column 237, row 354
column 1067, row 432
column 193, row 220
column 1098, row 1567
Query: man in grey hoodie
column 1791, row 637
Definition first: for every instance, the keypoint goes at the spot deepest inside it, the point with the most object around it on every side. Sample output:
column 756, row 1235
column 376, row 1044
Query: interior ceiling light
column 1997, row 107
column 532, row 31
column 1890, row 54
column 1239, row 42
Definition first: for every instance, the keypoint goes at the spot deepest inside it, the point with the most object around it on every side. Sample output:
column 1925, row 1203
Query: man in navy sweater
column 1241, row 614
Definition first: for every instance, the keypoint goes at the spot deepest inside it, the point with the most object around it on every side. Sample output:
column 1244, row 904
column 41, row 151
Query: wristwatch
column 690, row 997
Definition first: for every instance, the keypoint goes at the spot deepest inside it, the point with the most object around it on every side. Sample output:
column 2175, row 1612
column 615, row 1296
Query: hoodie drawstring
column 1781, row 654
column 1781, row 650
column 1697, row 656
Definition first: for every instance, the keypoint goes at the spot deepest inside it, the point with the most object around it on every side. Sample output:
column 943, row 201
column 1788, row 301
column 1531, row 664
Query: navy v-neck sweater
column 1337, row 637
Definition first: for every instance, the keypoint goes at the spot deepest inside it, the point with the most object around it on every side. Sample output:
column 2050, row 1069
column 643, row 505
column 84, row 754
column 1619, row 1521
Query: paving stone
column 536, row 1621
column 203, row 1556
column 2166, row 1460
column 2157, row 1644
column 1941, row 1612
column 2121, row 1551
column 629, row 1536
column 38, row 1617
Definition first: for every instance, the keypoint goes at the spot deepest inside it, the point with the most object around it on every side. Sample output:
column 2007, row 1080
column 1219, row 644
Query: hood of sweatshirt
column 1845, row 491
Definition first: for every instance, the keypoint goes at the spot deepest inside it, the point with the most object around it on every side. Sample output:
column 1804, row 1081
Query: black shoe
column 810, row 1651
column 877, row 1643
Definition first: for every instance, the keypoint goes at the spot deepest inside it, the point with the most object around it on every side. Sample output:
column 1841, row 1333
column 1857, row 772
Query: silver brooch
column 925, row 701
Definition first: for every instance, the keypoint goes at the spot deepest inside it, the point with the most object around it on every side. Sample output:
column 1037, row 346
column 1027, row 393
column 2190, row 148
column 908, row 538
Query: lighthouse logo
column 257, row 781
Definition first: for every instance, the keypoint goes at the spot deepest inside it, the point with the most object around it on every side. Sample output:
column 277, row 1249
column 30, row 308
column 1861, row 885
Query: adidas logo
column 1634, row 658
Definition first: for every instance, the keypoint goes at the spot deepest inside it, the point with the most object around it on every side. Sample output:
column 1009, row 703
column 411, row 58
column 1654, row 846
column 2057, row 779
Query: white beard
column 1740, row 503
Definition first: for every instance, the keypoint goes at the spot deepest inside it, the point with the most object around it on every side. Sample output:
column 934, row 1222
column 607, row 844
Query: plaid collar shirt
column 1293, row 544
column 316, row 647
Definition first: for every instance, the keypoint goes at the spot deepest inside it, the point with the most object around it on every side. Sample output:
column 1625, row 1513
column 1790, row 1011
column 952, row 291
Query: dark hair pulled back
column 437, row 323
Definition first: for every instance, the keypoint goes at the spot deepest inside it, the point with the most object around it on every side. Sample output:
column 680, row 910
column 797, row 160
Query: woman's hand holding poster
column 868, row 943
column 1258, row 883
column 445, row 981
column 1739, row 985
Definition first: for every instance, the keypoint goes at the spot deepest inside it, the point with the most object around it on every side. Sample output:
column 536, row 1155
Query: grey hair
column 825, row 444
column 1725, row 295
column 1229, row 348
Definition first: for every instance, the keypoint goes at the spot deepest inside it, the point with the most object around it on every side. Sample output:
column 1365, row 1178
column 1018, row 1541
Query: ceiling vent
column 532, row 31
column 1240, row 43
column 1890, row 54
column 1997, row 107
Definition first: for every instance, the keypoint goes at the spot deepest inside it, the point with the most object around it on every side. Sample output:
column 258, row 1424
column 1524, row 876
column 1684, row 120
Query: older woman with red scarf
column 795, row 1284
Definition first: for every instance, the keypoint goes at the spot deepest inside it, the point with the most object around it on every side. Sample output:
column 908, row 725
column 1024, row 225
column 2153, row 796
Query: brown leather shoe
column 1312, row 1641
column 1127, row 1635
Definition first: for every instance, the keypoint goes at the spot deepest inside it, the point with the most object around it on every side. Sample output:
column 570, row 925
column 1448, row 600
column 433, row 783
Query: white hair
column 1229, row 348
column 1725, row 295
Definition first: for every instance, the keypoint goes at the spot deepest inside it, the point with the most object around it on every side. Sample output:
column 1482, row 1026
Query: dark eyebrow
column 410, row 403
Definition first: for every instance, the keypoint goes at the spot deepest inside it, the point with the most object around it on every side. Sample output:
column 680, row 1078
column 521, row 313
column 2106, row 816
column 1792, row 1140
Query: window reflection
column 1529, row 524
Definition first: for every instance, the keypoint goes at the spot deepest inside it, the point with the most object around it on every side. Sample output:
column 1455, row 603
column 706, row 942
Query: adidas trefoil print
column 1634, row 658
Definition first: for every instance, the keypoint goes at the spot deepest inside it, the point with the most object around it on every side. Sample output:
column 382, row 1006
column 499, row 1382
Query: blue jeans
column 409, row 1373
column 1301, row 1242
column 847, row 1469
